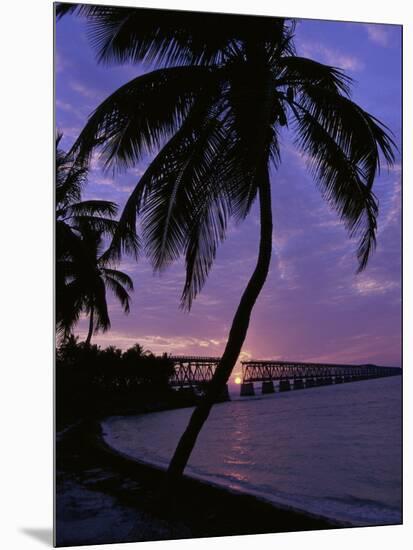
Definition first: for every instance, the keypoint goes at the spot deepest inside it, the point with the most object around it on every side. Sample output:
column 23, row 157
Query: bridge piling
column 247, row 389
column 267, row 386
column 285, row 385
column 298, row 384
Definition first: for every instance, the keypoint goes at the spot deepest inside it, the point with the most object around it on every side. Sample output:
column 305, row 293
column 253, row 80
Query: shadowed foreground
column 103, row 497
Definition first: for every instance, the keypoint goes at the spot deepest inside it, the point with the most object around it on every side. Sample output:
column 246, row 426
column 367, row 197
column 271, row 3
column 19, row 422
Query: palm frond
column 100, row 306
column 360, row 135
column 121, row 277
column 164, row 163
column 167, row 210
column 92, row 208
column 299, row 72
column 119, row 291
column 69, row 306
column 206, row 231
column 63, row 8
column 170, row 38
column 97, row 224
column 137, row 118
column 342, row 183
column 68, row 242
column 70, row 177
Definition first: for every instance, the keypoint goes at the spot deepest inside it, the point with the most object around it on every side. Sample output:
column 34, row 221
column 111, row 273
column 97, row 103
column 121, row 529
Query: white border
column 26, row 273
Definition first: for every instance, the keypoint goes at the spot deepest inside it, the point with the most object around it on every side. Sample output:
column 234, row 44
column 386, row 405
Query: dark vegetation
column 92, row 382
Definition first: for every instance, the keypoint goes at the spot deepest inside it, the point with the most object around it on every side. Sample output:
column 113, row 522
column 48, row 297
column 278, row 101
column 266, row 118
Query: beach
column 104, row 497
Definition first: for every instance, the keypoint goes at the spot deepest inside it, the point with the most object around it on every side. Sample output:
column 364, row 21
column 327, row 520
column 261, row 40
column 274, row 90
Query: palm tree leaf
column 100, row 306
column 165, row 162
column 137, row 118
column 119, row 291
column 120, row 277
column 68, row 242
column 170, row 38
column 92, row 208
column 69, row 306
column 342, row 183
column 168, row 210
column 359, row 134
column 70, row 178
column 207, row 228
column 97, row 224
column 298, row 72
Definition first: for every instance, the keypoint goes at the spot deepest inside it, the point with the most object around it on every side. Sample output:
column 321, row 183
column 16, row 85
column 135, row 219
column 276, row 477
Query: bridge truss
column 192, row 371
column 195, row 371
column 263, row 371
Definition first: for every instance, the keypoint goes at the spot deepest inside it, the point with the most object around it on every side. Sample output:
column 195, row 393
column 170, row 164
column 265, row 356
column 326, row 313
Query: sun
column 238, row 380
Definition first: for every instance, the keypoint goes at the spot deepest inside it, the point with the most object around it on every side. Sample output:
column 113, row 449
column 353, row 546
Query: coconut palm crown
column 86, row 285
column 82, row 271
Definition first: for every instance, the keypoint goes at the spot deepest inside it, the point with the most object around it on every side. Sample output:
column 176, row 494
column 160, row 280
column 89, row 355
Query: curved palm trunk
column 89, row 335
column 236, row 337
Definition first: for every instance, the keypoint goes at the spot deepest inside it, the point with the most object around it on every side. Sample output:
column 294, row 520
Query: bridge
column 195, row 372
column 192, row 374
column 192, row 371
column 297, row 375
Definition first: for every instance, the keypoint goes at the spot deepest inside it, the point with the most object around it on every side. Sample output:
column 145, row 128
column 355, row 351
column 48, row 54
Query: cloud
column 378, row 34
column 208, row 301
column 245, row 355
column 175, row 345
column 85, row 91
column 65, row 106
column 332, row 57
column 60, row 62
column 103, row 177
column 393, row 214
column 101, row 180
column 366, row 285
column 69, row 108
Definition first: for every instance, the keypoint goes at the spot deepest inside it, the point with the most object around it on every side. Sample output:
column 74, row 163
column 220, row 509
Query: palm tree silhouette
column 71, row 211
column 82, row 273
column 88, row 285
column 213, row 113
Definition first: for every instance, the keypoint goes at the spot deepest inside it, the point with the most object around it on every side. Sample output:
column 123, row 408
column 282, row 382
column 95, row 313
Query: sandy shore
column 104, row 497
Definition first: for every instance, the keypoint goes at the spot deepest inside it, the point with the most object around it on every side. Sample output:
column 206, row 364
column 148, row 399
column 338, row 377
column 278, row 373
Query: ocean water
column 332, row 451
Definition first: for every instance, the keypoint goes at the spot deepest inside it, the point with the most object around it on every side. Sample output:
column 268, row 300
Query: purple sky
column 313, row 306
